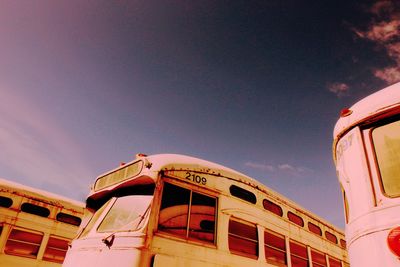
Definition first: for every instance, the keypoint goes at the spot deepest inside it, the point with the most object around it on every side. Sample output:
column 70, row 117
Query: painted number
column 196, row 178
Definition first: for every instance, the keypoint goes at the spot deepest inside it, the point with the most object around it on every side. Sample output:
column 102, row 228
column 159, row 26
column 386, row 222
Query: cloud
column 37, row 150
column 340, row 89
column 279, row 168
column 384, row 31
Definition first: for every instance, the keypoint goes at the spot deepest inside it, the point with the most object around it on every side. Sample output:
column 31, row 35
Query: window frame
column 24, row 243
column 243, row 238
column 272, row 247
column 192, row 190
column 54, row 248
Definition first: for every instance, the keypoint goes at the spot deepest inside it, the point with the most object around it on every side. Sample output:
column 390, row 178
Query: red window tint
column 243, row 239
column 331, row 237
column 343, row 243
column 67, row 218
column 272, row 207
column 295, row 219
column 314, row 229
column 318, row 259
column 56, row 250
column 334, row 262
column 298, row 254
column 275, row 248
column 23, row 243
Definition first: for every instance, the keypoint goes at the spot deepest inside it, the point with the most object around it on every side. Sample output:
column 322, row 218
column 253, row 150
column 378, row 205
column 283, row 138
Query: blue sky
column 253, row 85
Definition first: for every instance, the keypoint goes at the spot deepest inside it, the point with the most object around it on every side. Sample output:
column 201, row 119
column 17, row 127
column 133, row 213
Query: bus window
column 23, row 243
column 272, row 207
column 314, row 229
column 386, row 141
column 295, row 219
column 298, row 254
column 55, row 250
column 35, row 209
column 334, row 262
column 94, row 219
column 178, row 204
column 331, row 237
column 275, row 248
column 5, row 202
column 243, row 194
column 243, row 238
column 318, row 259
column 126, row 214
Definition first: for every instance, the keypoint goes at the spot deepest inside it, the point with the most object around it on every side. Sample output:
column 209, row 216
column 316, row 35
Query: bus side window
column 243, row 238
column 187, row 214
column 55, row 250
column 299, row 255
column 23, row 243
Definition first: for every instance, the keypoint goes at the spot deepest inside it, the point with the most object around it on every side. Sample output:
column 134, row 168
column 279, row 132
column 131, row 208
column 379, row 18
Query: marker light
column 346, row 112
column 393, row 241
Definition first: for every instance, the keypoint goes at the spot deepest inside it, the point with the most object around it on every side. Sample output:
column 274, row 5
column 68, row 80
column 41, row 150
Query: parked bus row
column 174, row 210
column 35, row 226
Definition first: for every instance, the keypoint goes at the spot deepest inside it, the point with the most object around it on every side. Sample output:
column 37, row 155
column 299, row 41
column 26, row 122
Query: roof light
column 141, row 155
column 345, row 112
column 393, row 241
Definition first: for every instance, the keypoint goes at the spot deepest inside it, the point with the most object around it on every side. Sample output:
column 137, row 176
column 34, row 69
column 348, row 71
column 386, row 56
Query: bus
column 366, row 151
column 35, row 226
column 175, row 210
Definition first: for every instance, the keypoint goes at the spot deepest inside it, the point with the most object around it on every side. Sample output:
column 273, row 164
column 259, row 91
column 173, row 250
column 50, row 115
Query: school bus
column 366, row 151
column 35, row 226
column 175, row 210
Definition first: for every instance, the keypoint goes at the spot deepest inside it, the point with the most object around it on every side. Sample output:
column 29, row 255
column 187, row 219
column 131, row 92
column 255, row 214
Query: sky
column 256, row 86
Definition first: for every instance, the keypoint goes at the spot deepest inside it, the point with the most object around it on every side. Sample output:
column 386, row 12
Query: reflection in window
column 23, row 243
column 243, row 238
column 55, row 250
column 126, row 214
column 334, row 262
column 272, row 207
column 187, row 214
column 299, row 256
column 295, row 219
column 314, row 229
column 386, row 140
column 275, row 248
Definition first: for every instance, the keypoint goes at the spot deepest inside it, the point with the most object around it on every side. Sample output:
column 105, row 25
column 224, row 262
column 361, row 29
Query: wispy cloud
column 339, row 89
column 384, row 30
column 38, row 150
column 279, row 168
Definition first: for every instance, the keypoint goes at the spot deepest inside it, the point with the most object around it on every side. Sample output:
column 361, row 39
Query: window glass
column 94, row 218
column 5, row 202
column 244, row 194
column 343, row 243
column 272, row 207
column 331, row 237
column 35, row 209
column 298, row 256
column 275, row 248
column 243, row 238
column 126, row 214
column 334, row 262
column 67, row 218
column 55, row 250
column 314, row 229
column 386, row 140
column 318, row 259
column 295, row 219
column 187, row 214
column 23, row 243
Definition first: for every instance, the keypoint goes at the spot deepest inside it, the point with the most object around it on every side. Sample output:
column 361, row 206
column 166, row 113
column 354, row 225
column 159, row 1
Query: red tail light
column 393, row 240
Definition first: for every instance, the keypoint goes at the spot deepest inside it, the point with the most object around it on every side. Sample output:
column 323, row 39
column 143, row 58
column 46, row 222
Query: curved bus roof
column 368, row 109
column 40, row 195
column 177, row 162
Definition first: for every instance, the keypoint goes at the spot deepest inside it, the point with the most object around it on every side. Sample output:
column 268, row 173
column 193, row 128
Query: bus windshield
column 126, row 214
column 386, row 141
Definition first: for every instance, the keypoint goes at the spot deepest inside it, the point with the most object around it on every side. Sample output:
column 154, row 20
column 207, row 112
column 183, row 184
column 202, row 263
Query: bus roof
column 40, row 195
column 368, row 108
column 181, row 162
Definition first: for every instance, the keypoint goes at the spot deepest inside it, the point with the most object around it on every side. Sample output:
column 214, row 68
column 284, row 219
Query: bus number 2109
column 196, row 178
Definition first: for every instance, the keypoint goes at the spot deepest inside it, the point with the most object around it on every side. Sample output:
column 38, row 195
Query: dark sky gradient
column 254, row 85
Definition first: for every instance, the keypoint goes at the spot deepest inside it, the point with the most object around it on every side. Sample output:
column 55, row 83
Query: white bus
column 35, row 226
column 174, row 210
column 366, row 151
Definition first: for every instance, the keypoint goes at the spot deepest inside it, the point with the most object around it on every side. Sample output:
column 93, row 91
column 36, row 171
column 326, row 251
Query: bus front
column 367, row 156
column 120, row 202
